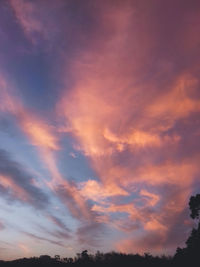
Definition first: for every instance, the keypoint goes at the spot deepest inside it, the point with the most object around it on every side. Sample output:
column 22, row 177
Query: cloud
column 16, row 183
column 58, row 234
column 39, row 239
column 24, row 248
column 128, row 97
column 76, row 203
column 177, row 103
column 90, row 234
column 92, row 189
column 153, row 198
column 63, row 233
column 37, row 22
column 154, row 241
column 57, row 221
column 43, row 136
column 2, row 226
column 40, row 133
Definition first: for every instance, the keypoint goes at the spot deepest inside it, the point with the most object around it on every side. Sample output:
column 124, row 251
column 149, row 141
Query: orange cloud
column 153, row 198
column 137, row 138
column 97, row 192
column 170, row 173
column 40, row 133
column 126, row 123
column 177, row 103
column 18, row 192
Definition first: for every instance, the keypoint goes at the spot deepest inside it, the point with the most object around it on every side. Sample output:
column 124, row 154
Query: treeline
column 99, row 259
column 187, row 256
column 112, row 259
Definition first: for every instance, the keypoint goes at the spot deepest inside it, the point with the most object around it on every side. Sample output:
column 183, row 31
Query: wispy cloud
column 39, row 238
column 36, row 21
column 16, row 183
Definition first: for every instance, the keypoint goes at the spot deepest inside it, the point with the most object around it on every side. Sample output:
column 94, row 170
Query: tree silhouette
column 191, row 253
column 193, row 242
column 84, row 255
column 195, row 206
column 57, row 257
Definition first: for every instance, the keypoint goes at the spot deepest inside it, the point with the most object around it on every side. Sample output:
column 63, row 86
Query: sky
column 99, row 125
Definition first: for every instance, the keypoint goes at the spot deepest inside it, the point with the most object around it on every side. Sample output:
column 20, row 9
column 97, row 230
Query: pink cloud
column 92, row 189
column 19, row 192
column 125, row 123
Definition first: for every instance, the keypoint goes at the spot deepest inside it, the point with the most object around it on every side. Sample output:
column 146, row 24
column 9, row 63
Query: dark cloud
column 57, row 221
column 18, row 181
column 91, row 234
column 64, row 235
column 2, row 226
column 39, row 238
column 76, row 204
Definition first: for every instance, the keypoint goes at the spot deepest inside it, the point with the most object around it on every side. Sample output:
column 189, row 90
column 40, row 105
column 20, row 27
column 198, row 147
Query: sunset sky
column 99, row 125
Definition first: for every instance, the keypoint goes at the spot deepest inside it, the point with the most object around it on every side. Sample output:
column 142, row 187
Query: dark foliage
column 190, row 255
column 195, row 206
column 97, row 260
